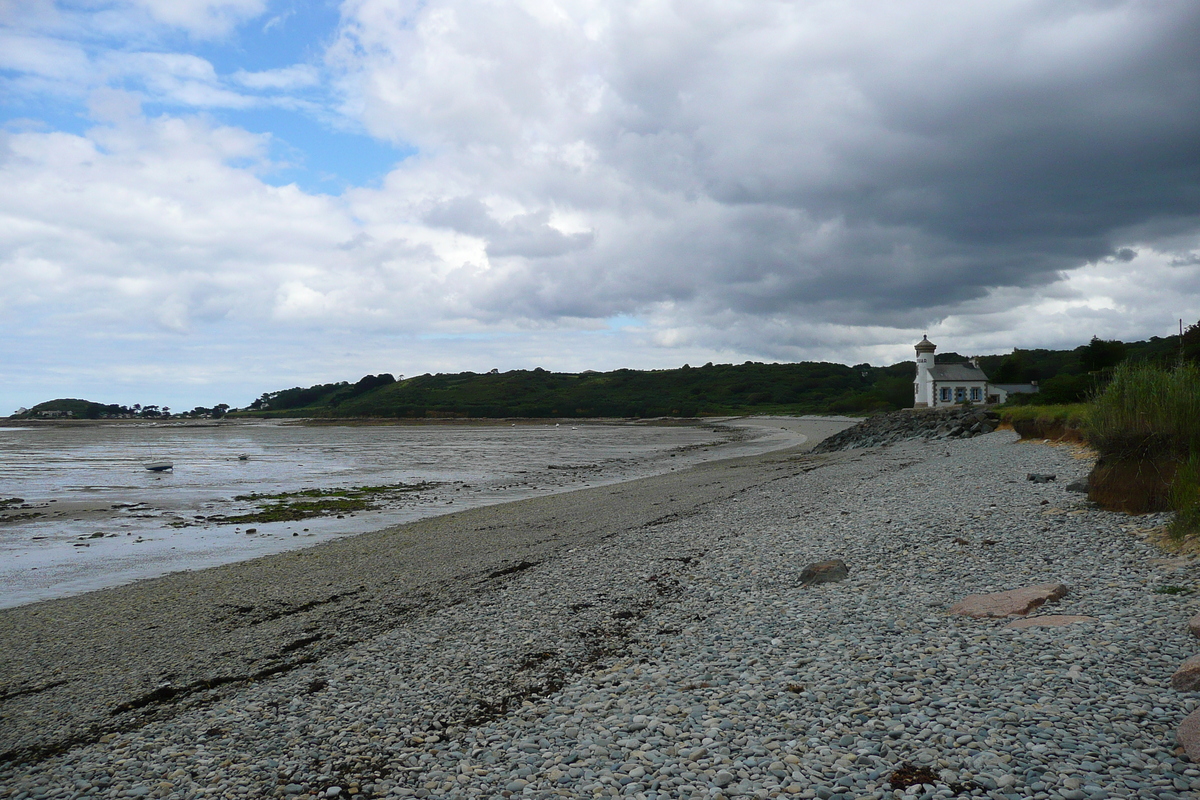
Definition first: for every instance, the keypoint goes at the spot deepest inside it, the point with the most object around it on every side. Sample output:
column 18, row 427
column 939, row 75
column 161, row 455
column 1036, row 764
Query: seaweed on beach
column 22, row 516
column 309, row 503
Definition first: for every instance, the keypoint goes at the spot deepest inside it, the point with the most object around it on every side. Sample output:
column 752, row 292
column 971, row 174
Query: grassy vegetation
column 309, row 503
column 1185, row 498
column 1149, row 414
column 1047, row 422
column 1147, row 410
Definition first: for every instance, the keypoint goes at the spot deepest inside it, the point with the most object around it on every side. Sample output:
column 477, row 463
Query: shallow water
column 102, row 519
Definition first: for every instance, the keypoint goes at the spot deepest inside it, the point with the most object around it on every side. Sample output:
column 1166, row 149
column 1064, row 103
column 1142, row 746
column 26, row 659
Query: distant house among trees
column 940, row 385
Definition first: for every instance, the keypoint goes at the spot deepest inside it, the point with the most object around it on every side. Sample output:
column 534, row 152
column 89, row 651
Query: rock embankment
column 898, row 426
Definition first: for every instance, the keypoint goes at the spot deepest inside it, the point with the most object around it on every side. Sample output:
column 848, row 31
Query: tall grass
column 1185, row 498
column 1148, row 413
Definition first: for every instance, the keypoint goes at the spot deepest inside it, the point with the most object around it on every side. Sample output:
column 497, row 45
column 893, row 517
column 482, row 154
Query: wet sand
column 75, row 668
column 93, row 518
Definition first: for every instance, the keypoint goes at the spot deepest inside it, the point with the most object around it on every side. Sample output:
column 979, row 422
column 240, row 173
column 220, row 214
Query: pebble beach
column 651, row 639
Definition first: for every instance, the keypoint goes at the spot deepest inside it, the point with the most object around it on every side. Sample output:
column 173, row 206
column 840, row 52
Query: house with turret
column 940, row 385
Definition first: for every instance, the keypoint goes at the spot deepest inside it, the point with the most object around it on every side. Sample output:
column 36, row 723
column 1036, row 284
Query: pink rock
column 824, row 572
column 1188, row 736
column 1048, row 621
column 1187, row 677
column 1194, row 626
column 1007, row 604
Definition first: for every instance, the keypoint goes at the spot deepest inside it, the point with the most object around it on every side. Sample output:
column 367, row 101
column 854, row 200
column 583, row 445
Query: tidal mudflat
column 79, row 512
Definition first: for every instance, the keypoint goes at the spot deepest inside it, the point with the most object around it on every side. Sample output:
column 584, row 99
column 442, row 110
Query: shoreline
column 56, row 560
column 277, row 599
column 662, row 616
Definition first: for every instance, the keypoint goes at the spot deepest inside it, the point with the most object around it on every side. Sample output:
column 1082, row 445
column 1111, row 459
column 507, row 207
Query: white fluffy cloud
column 201, row 17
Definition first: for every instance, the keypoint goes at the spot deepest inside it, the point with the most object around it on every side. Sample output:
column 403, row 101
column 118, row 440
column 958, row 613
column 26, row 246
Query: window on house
column 976, row 394
column 960, row 394
column 945, row 394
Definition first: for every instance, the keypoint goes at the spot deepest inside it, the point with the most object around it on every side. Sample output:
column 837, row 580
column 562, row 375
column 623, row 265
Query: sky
column 205, row 200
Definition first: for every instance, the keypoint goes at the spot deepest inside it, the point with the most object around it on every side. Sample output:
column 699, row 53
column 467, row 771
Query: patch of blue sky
column 290, row 32
column 36, row 114
column 318, row 155
column 464, row 337
column 622, row 321
column 314, row 156
column 311, row 146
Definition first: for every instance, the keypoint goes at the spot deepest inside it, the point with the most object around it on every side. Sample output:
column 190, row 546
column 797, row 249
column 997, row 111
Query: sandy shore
column 68, row 665
column 101, row 521
column 649, row 639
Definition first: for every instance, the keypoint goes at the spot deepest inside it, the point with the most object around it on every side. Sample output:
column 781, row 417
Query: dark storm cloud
column 876, row 163
column 990, row 180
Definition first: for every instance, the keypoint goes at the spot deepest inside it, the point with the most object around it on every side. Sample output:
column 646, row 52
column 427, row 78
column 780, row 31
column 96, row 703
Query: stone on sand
column 1014, row 602
column 1187, row 677
column 1187, row 735
column 824, row 572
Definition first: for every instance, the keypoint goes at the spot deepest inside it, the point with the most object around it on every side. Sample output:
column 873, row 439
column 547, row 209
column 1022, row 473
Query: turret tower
column 923, row 385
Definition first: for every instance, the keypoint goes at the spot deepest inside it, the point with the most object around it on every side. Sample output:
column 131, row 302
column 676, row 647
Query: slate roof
column 956, row 372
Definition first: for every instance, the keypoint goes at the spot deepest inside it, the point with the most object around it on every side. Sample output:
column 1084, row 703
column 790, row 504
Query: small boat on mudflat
column 159, row 466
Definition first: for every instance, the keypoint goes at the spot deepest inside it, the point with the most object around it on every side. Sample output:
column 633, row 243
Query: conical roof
column 925, row 346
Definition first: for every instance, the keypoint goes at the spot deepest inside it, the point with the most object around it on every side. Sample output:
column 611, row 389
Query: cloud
column 766, row 180
column 132, row 20
column 294, row 77
column 45, row 57
column 858, row 164
column 203, row 18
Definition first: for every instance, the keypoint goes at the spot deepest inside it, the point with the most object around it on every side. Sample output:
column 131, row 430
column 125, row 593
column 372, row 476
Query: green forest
column 1063, row 376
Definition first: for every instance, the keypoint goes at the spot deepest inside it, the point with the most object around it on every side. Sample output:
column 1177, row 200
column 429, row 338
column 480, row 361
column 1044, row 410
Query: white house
column 940, row 385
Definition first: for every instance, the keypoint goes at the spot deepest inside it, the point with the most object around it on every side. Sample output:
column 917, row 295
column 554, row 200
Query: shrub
column 1148, row 418
column 1147, row 411
column 1046, row 422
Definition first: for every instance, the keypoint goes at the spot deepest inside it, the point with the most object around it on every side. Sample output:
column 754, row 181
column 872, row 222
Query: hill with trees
column 714, row 389
column 1064, row 376
column 71, row 408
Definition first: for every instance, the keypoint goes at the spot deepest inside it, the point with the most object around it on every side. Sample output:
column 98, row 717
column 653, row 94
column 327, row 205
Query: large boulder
column 1194, row 626
column 1014, row 602
column 1187, row 736
column 1187, row 677
column 824, row 572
